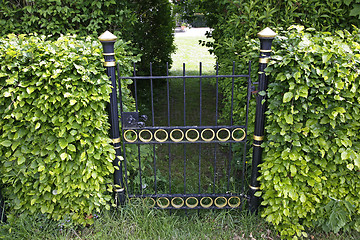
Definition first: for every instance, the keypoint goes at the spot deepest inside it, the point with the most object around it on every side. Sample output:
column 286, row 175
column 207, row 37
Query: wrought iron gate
column 137, row 130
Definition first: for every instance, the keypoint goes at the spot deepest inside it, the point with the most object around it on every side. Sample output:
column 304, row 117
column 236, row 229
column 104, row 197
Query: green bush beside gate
column 55, row 156
column 311, row 167
column 146, row 24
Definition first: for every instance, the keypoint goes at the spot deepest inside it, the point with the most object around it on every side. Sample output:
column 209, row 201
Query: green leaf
column 63, row 143
column 6, row 143
column 72, row 148
column 287, row 97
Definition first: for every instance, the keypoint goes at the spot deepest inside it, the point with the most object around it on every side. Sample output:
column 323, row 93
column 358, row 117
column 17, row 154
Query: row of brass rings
column 219, row 202
column 190, row 139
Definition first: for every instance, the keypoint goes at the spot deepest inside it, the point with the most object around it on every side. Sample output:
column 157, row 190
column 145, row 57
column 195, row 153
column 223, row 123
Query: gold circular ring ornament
column 238, row 139
column 236, row 204
column 177, row 205
column 223, row 139
column 206, row 205
column 151, row 199
column 176, row 139
column 127, row 139
column 191, row 205
column 159, row 202
column 144, row 139
column 207, row 139
column 220, row 205
column 159, row 139
column 189, row 138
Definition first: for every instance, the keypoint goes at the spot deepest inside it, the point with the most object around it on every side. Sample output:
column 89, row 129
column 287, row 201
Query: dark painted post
column 2, row 209
column 266, row 37
column 108, row 40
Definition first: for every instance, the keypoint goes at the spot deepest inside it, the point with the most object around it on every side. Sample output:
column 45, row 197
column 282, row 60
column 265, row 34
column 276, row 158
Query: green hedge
column 234, row 22
column 55, row 156
column 311, row 170
column 147, row 25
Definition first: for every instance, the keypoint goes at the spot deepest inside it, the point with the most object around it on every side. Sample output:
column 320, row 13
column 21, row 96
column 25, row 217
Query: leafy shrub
column 148, row 25
column 55, row 156
column 312, row 151
column 234, row 22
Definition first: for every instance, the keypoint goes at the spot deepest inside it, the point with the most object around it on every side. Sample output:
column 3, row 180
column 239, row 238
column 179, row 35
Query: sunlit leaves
column 312, row 126
column 53, row 109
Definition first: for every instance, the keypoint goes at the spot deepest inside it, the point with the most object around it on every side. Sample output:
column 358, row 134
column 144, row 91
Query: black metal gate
column 142, row 140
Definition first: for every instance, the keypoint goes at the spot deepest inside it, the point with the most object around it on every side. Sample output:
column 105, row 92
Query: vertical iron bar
column 184, row 145
column 246, row 128
column 231, row 123
column 216, row 121
column 135, row 87
column 108, row 40
column 138, row 145
column 122, row 129
column 200, row 73
column 153, row 122
column 168, row 112
column 266, row 37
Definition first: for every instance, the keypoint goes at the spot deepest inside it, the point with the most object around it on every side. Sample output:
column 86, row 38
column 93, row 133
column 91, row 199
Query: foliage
column 153, row 35
column 312, row 152
column 57, row 17
column 148, row 25
column 55, row 156
column 234, row 22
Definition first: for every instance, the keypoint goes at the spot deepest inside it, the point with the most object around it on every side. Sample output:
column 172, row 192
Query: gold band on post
column 115, row 140
column 206, row 205
column 158, row 139
column 256, row 145
column 223, row 139
column 254, row 188
column 143, row 139
column 264, row 60
column 153, row 201
column 112, row 54
column 238, row 139
column 117, row 147
column 109, row 64
column 127, row 139
column 177, row 205
column 263, row 50
column 220, row 205
column 236, row 204
column 191, row 205
column 258, row 138
column 207, row 139
column 189, row 138
column 176, row 139
column 159, row 203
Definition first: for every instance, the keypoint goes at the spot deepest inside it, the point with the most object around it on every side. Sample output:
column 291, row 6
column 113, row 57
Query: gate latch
column 131, row 120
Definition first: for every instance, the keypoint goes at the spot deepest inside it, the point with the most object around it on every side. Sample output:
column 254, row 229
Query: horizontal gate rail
column 182, row 77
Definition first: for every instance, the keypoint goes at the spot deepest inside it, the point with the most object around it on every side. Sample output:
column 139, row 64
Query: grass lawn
column 134, row 221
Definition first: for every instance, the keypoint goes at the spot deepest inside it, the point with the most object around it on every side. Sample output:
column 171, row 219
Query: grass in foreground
column 139, row 222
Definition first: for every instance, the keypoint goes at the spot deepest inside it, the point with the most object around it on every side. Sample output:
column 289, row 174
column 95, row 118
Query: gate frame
column 266, row 37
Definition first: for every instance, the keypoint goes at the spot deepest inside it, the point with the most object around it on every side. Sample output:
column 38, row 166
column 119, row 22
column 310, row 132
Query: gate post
column 2, row 209
column 108, row 40
column 266, row 37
